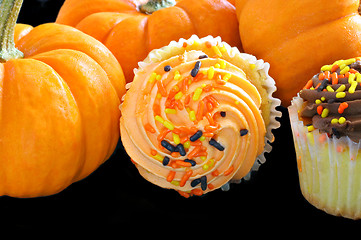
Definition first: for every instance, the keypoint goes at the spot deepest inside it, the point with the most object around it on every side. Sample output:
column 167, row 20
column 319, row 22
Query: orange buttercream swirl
column 192, row 122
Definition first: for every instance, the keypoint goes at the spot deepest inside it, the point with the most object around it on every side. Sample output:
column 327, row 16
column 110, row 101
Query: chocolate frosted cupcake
column 326, row 124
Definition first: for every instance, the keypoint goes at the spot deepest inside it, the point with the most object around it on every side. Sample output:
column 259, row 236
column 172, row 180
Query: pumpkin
column 131, row 30
column 59, row 97
column 298, row 37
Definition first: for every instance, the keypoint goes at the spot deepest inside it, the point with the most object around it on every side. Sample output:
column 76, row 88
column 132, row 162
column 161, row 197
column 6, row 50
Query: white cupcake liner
column 244, row 60
column 329, row 169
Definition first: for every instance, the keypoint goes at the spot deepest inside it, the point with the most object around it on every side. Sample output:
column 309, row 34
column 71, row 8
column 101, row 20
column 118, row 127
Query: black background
column 116, row 197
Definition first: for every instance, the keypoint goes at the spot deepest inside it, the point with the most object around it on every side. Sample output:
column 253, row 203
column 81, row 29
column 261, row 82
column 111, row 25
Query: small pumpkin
column 298, row 37
column 131, row 29
column 59, row 95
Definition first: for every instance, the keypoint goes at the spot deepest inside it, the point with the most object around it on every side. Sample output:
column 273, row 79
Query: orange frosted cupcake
column 198, row 114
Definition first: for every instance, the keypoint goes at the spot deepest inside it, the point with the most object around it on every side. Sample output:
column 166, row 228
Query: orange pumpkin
column 59, row 97
column 131, row 30
column 298, row 37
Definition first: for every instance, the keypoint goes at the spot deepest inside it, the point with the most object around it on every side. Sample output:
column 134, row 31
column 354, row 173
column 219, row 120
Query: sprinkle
column 165, row 161
column 210, row 73
column 167, row 68
column 308, row 84
column 197, row 93
column 217, row 51
column 318, row 101
column 208, row 44
column 168, row 125
column 358, row 77
column 243, row 132
column 222, row 64
column 330, row 89
column 325, row 112
column 181, row 163
column 310, row 128
column 159, row 119
column 178, row 95
column 227, row 76
column 326, row 68
column 149, row 128
column 217, row 65
column 187, row 144
column 185, row 177
column 319, row 110
column 202, row 56
column 342, row 107
column 334, row 78
column 323, row 99
column 192, row 162
column 323, row 85
column 158, row 77
column 153, row 152
column 195, row 70
column 345, row 70
column 158, row 157
column 341, row 88
column 170, row 176
column 340, row 95
column 351, row 78
column 353, row 87
column 334, row 67
column 204, row 183
column 176, row 138
column 196, row 136
column 152, row 77
column 185, row 44
column 168, row 146
column 342, row 120
column 170, row 111
column 228, row 171
column 202, row 138
column 181, row 150
column 334, row 121
column 177, row 75
column 195, row 182
column 223, row 114
column 216, row 144
column 192, row 115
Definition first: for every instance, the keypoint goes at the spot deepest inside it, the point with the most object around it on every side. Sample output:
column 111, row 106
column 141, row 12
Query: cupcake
column 326, row 124
column 198, row 115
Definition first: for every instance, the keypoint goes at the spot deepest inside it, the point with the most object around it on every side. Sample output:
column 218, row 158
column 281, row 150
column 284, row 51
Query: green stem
column 154, row 5
column 9, row 11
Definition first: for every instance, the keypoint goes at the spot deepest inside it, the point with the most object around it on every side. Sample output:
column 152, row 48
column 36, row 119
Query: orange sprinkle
column 210, row 186
column 163, row 134
column 334, row 77
column 228, row 171
column 175, row 154
column 196, row 143
column 215, row 173
column 327, row 74
column 208, row 134
column 201, row 154
column 208, row 44
column 209, row 118
column 342, row 107
column 208, row 88
column 318, row 85
column 353, row 70
column 197, row 192
column 187, row 100
column 149, row 128
column 153, row 152
column 341, row 76
column 334, row 68
column 199, row 115
column 185, row 177
column 156, row 109
column 185, row 44
column 321, row 76
column 183, row 163
column 179, row 104
column 319, row 110
column 194, row 152
column 161, row 89
column 308, row 84
column 209, row 106
column 184, row 194
column 184, row 139
column 214, row 101
column 347, row 74
column 170, row 176
column 177, row 131
column 198, row 77
column 210, row 128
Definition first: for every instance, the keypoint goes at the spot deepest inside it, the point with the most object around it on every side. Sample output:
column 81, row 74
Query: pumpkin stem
column 153, row 5
column 9, row 11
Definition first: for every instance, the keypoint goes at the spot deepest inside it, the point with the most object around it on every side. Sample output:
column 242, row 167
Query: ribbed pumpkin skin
column 131, row 35
column 298, row 37
column 59, row 112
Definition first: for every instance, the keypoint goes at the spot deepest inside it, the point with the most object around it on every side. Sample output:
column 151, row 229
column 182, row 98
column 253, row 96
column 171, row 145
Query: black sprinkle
column 216, row 144
column 167, row 145
column 165, row 161
column 195, row 70
column 243, row 132
column 196, row 136
column 336, row 133
column 181, row 150
column 223, row 114
column 204, row 183
column 202, row 56
column 195, row 182
column 167, row 68
column 190, row 161
column 323, row 85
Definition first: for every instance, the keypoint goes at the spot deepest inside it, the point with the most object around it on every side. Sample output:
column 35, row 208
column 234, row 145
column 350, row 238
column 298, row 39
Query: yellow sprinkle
column 158, row 157
column 210, row 72
column 334, row 121
column 351, row 78
column 340, row 95
column 188, row 109
column 178, row 96
column 203, row 158
column 168, row 125
column 197, row 94
column 236, row 102
column 170, row 111
column 349, row 61
column 192, row 116
column 202, row 138
column 310, row 128
column 203, row 85
column 325, row 112
column 211, row 162
column 312, row 88
column 176, row 138
column 341, row 88
column 158, row 77
column 159, row 95
column 187, row 144
column 345, row 70
column 177, row 75
column 176, row 88
column 226, row 77
column 217, row 51
column 159, row 119
column 330, row 89
column 342, row 65
column 222, row 48
column 318, row 101
column 358, row 77
column 175, row 183
column 341, row 120
column 323, row 99
column 205, row 167
column 217, row 65
column 326, row 68
column 222, row 63
column 152, row 77
column 353, row 87
column 253, row 66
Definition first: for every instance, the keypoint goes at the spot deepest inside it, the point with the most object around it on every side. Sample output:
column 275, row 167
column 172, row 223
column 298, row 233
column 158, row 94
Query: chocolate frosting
column 331, row 105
